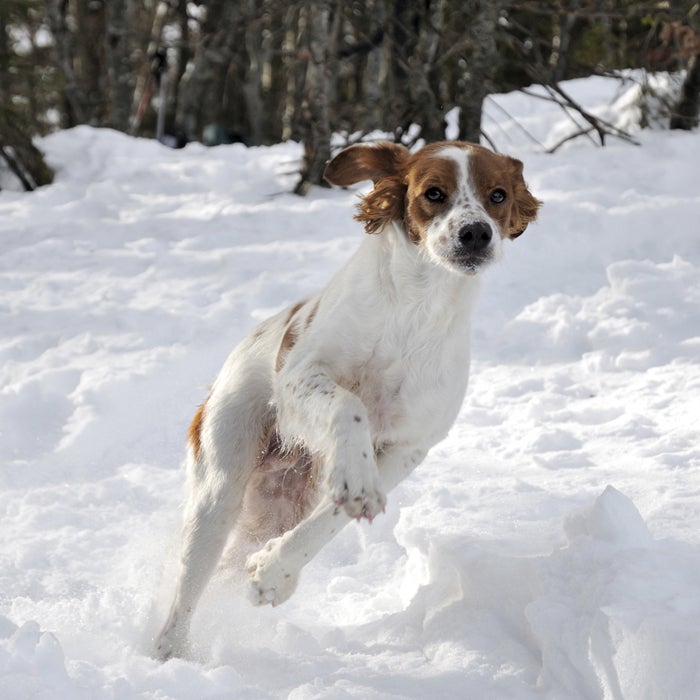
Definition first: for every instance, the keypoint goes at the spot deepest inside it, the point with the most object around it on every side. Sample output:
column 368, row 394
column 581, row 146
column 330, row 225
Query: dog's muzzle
column 474, row 238
column 474, row 245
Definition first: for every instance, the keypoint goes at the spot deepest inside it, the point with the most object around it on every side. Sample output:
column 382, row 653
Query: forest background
column 267, row 71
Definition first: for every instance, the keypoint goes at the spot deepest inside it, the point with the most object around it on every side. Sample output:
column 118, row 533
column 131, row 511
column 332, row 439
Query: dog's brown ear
column 525, row 207
column 365, row 162
column 384, row 165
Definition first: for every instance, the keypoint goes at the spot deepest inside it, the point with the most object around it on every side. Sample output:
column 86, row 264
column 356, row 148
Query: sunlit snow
column 548, row 548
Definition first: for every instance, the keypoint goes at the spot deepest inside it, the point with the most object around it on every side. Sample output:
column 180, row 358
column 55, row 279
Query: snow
column 548, row 548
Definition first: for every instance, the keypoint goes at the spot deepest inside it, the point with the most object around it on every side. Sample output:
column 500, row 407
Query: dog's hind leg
column 209, row 516
column 220, row 465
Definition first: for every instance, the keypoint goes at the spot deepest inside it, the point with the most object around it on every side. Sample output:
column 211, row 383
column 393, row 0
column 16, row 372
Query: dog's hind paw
column 271, row 582
column 169, row 645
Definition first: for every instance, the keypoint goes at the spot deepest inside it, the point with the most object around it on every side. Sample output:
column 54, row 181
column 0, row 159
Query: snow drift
column 548, row 548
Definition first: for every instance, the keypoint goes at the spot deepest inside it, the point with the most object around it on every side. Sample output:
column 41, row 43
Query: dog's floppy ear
column 366, row 162
column 382, row 163
column 524, row 207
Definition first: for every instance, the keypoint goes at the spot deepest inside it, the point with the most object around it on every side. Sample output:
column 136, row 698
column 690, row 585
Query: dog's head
column 455, row 199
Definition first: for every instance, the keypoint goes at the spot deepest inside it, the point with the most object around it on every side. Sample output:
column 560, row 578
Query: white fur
column 375, row 378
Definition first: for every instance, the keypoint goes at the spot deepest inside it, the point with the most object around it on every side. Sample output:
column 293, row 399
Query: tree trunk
column 181, row 57
column 295, row 75
column 5, row 84
column 90, row 16
column 401, row 41
column 201, row 94
column 375, row 73
column 414, row 34
column 561, row 41
column 120, row 70
column 477, row 81
column 74, row 108
column 324, row 22
column 685, row 115
column 255, row 44
column 424, row 73
column 145, row 82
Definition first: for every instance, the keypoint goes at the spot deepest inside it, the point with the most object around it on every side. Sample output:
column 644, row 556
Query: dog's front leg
column 275, row 569
column 328, row 420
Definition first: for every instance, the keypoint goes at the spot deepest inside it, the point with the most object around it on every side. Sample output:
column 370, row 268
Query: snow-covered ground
column 548, row 548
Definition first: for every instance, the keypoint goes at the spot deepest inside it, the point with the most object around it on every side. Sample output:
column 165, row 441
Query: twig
column 489, row 141
column 490, row 100
column 570, row 137
column 14, row 165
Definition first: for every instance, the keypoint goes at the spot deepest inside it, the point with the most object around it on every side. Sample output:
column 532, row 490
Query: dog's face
column 456, row 200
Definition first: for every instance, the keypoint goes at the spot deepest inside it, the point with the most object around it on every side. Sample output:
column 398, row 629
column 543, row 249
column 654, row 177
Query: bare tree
column 295, row 73
column 155, row 58
column 5, row 58
column 203, row 88
column 324, row 17
column 256, row 42
column 179, row 54
column 416, row 48
column 90, row 20
column 119, row 66
column 375, row 78
column 477, row 81
column 563, row 24
column 270, row 70
column 75, row 111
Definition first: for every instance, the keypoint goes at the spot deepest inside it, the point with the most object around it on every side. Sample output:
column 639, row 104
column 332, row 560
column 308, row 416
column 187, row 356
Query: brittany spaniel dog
column 327, row 406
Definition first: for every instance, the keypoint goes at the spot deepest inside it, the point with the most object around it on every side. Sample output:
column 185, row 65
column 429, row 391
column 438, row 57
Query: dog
column 324, row 408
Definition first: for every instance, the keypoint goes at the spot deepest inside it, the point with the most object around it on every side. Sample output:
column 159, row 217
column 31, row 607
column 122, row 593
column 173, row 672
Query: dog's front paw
column 272, row 582
column 354, row 486
column 363, row 504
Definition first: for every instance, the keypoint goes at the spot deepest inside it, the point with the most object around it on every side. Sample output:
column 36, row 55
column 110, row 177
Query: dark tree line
column 263, row 71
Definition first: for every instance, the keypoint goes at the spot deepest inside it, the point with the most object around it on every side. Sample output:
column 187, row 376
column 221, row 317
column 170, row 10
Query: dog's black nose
column 475, row 237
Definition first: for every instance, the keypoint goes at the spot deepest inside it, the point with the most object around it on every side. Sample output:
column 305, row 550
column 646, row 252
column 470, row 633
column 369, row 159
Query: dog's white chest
column 415, row 388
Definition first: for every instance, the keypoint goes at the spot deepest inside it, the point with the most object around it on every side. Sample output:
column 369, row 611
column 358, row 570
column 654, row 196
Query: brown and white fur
column 327, row 406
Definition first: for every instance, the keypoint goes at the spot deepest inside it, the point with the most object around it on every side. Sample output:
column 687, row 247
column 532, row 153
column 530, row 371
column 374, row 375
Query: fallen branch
column 601, row 127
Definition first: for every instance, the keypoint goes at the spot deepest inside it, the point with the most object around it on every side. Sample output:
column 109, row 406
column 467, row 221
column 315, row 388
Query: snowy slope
column 550, row 547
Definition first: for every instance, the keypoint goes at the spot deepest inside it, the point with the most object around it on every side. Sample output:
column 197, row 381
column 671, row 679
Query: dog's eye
column 434, row 194
column 498, row 196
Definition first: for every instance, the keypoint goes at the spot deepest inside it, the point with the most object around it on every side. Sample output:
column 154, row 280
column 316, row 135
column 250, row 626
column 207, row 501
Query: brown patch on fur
column 287, row 343
column 194, row 434
column 424, row 173
column 525, row 206
column 493, row 171
column 291, row 333
column 312, row 313
column 293, row 311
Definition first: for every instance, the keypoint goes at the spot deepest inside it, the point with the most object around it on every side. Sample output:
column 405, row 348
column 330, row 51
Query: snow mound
column 647, row 315
column 595, row 618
